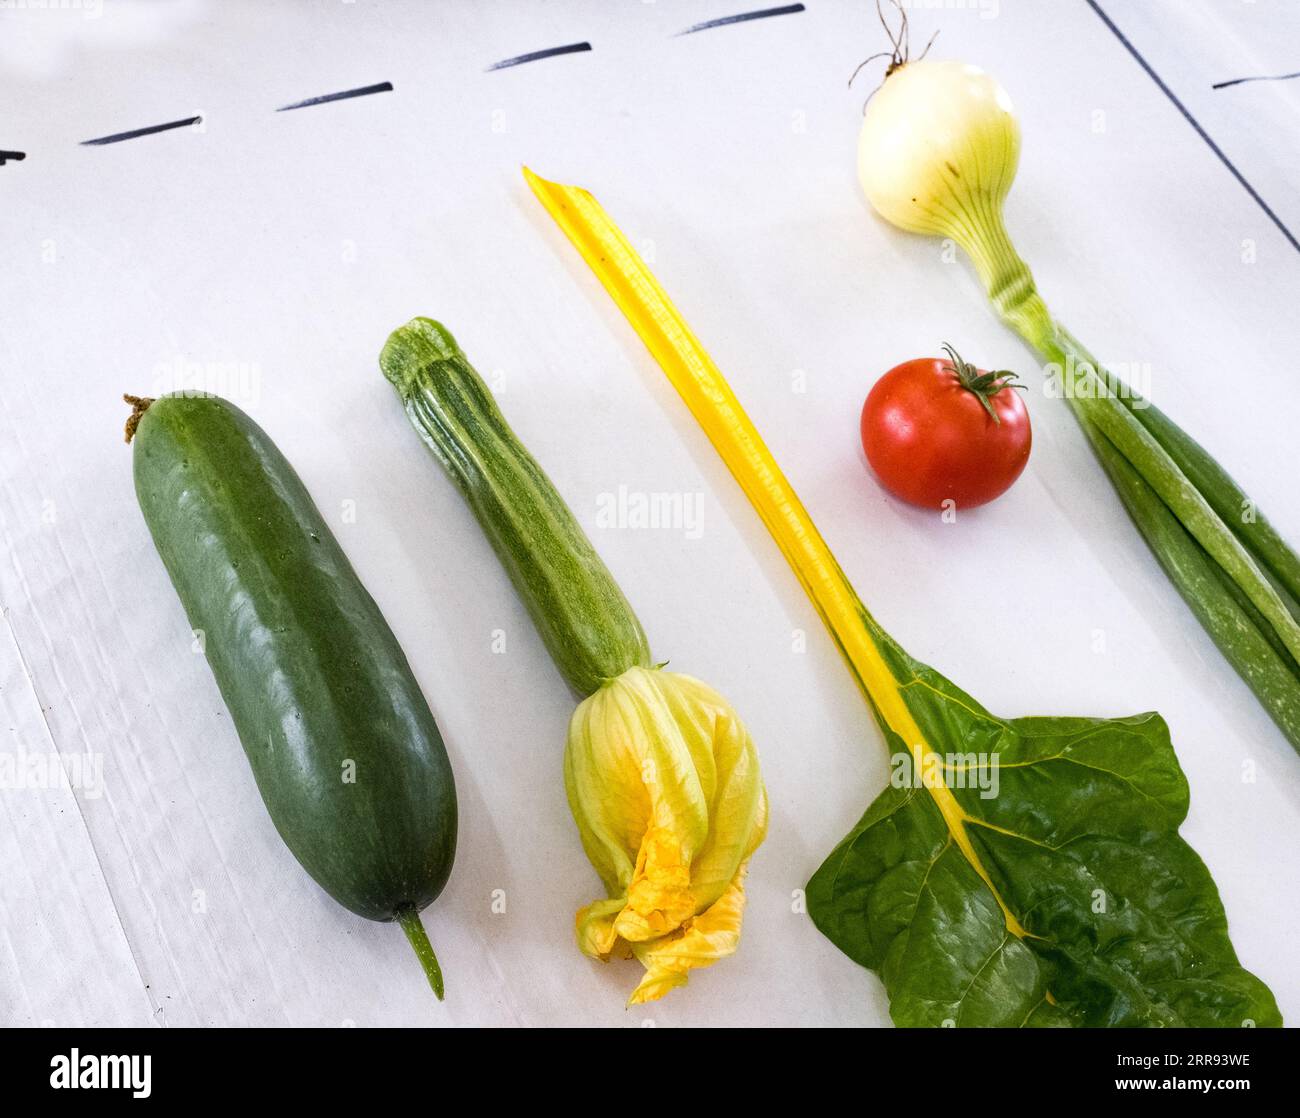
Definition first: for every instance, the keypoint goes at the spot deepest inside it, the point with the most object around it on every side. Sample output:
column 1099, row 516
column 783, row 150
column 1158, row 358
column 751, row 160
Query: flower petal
column 701, row 942
column 595, row 927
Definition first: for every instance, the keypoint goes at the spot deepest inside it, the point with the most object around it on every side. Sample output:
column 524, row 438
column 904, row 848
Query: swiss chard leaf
column 1078, row 850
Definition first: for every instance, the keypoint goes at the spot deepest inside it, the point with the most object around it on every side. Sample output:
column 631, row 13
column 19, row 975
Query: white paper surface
column 269, row 255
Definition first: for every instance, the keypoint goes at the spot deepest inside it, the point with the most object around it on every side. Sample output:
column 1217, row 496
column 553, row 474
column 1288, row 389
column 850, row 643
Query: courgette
column 660, row 772
column 584, row 620
column 345, row 751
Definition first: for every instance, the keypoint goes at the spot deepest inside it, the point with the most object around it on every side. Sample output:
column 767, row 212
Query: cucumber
column 347, row 756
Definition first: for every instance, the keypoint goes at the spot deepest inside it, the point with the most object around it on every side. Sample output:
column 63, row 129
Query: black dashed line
column 118, row 137
column 743, row 17
column 344, row 95
column 536, row 55
column 1257, row 78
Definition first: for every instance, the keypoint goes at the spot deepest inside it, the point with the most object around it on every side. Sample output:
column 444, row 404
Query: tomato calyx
column 983, row 385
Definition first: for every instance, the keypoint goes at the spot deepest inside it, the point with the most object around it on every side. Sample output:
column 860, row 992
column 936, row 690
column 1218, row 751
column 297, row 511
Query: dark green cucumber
column 345, row 751
column 584, row 619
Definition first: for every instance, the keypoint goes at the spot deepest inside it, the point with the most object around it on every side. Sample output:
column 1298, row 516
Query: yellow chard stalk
column 661, row 774
column 706, row 392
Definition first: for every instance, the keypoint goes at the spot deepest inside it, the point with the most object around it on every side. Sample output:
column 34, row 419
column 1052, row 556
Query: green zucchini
column 585, row 621
column 347, row 756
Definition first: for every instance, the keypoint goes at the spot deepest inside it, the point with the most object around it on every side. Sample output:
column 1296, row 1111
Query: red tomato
column 938, row 429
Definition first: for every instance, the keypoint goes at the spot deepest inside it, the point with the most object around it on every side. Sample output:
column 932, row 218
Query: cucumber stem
column 139, row 405
column 419, row 940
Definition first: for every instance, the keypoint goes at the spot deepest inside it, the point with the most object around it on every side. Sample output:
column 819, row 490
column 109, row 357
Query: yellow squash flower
column 663, row 781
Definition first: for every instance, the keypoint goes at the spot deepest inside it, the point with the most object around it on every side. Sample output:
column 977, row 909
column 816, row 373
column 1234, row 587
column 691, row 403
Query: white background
column 291, row 244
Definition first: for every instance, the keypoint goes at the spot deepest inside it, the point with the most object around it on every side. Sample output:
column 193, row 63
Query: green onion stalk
column 938, row 152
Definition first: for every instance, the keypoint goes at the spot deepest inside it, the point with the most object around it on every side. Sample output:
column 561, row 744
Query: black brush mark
column 1196, row 125
column 533, row 56
column 744, row 17
column 118, row 137
column 325, row 98
column 14, row 155
column 1262, row 78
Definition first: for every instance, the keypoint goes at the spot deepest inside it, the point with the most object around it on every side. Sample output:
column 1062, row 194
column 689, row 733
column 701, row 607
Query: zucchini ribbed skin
column 585, row 621
column 345, row 751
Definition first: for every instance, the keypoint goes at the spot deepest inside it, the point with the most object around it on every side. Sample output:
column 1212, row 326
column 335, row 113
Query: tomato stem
column 983, row 385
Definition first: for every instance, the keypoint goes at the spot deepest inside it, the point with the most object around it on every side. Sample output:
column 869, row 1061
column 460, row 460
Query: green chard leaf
column 1074, row 822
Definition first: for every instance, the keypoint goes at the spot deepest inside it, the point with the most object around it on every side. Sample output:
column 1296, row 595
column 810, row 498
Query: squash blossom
column 660, row 772
column 663, row 781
